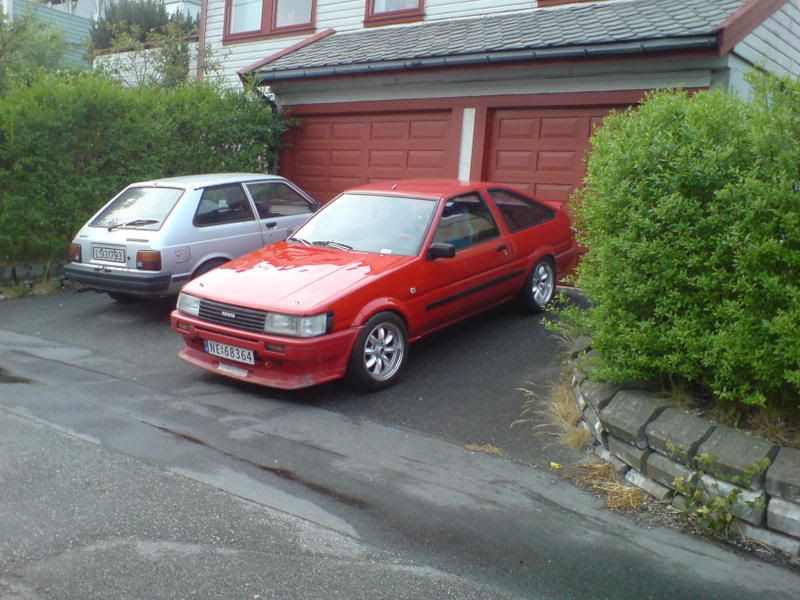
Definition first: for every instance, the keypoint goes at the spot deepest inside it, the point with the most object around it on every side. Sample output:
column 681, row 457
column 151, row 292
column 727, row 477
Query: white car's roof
column 196, row 181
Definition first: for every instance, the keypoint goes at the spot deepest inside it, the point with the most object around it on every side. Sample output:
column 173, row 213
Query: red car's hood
column 293, row 279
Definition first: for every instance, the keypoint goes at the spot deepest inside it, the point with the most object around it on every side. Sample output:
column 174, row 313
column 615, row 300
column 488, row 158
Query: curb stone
column 651, row 442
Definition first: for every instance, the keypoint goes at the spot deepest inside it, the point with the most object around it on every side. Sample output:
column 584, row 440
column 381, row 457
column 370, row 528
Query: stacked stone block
column 783, row 488
column 655, row 446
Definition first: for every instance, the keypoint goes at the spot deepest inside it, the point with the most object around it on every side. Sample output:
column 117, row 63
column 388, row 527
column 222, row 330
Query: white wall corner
column 467, row 140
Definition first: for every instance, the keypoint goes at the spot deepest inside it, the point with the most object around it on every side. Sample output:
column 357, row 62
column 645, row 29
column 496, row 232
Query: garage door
column 331, row 153
column 541, row 151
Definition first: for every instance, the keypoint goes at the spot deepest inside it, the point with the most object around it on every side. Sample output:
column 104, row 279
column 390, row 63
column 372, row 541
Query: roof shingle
column 584, row 25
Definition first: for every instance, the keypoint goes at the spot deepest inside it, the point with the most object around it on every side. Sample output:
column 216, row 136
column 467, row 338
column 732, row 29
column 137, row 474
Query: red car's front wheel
column 380, row 352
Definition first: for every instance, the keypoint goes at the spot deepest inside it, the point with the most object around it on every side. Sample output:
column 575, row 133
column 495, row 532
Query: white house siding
column 775, row 45
column 341, row 15
column 135, row 68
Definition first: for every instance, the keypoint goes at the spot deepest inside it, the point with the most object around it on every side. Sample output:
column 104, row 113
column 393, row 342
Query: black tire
column 124, row 298
column 359, row 373
column 540, row 286
column 208, row 266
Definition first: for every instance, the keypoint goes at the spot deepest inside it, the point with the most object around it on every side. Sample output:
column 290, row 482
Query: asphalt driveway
column 461, row 385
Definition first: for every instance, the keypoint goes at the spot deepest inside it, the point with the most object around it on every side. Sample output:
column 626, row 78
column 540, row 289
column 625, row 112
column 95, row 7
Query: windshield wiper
column 298, row 240
column 332, row 244
column 134, row 223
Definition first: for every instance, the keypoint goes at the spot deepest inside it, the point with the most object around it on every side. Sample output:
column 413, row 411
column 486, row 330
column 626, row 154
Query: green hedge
column 69, row 143
column 691, row 211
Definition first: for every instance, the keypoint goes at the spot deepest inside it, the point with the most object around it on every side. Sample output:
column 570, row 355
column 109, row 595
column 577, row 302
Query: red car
column 377, row 268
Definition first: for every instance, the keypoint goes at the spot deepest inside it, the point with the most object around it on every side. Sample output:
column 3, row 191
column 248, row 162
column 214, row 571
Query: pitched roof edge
column 281, row 53
column 706, row 42
column 744, row 21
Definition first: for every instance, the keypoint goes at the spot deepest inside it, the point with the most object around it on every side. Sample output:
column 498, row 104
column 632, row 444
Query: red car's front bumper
column 289, row 363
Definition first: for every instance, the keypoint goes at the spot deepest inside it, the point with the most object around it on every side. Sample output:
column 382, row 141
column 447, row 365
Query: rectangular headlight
column 296, row 326
column 189, row 305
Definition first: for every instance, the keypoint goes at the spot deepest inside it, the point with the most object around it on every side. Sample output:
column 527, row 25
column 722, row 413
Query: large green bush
column 691, row 211
column 67, row 144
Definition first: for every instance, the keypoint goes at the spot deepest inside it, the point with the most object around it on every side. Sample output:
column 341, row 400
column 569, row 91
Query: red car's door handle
column 502, row 248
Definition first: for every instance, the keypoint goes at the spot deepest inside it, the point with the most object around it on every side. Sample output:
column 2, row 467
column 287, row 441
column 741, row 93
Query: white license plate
column 241, row 355
column 108, row 254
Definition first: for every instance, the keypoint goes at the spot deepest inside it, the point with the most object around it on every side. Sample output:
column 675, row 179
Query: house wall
column 138, row 67
column 341, row 15
column 597, row 77
column 75, row 29
column 775, row 45
column 87, row 9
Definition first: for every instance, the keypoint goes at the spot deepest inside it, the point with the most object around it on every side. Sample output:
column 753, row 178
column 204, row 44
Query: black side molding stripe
column 473, row 290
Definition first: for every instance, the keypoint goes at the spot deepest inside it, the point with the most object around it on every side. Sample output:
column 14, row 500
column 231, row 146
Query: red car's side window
column 518, row 211
column 466, row 220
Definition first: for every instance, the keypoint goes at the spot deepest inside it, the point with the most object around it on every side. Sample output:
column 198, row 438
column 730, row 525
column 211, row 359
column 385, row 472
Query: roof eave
column 665, row 45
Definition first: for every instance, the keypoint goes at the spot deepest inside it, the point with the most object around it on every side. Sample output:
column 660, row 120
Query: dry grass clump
column 485, row 448
column 601, row 477
column 560, row 416
column 45, row 288
column 12, row 291
column 776, row 425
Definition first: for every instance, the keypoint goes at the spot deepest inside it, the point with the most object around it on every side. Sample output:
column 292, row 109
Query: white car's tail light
column 148, row 260
column 75, row 253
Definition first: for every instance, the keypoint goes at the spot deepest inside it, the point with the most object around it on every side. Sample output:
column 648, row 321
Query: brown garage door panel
column 330, row 153
column 541, row 151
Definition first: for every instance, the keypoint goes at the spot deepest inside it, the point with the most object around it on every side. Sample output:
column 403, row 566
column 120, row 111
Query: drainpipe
column 201, row 41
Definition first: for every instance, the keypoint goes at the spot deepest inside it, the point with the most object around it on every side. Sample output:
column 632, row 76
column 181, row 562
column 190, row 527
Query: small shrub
column 28, row 47
column 135, row 20
column 690, row 212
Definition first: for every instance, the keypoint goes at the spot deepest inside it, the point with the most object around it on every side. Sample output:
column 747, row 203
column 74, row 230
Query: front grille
column 243, row 318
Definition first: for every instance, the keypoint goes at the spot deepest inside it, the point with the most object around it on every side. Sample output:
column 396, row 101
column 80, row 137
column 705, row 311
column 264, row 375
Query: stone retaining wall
column 664, row 450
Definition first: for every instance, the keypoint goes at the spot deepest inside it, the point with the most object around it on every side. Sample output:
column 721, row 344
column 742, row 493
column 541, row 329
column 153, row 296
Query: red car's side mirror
column 441, row 250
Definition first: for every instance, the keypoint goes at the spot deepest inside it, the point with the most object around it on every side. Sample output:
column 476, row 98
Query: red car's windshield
column 370, row 223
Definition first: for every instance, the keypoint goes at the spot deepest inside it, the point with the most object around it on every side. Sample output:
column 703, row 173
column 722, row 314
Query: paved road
column 125, row 474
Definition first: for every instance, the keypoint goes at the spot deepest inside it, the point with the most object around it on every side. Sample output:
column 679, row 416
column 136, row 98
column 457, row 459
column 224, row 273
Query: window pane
column 148, row 206
column 518, row 211
column 293, row 12
column 277, row 200
column 223, row 204
column 245, row 15
column 383, row 6
column 465, row 221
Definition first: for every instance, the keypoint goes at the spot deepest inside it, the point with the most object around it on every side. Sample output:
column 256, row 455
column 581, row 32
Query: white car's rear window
column 139, row 208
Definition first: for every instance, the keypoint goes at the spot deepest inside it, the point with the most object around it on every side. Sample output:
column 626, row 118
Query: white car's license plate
column 108, row 254
column 241, row 355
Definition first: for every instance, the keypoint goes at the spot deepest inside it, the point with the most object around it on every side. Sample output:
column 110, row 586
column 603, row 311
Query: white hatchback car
column 154, row 236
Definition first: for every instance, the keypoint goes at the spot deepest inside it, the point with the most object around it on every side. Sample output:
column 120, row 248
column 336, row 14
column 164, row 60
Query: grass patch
column 485, row 449
column 776, row 425
column 601, row 478
column 559, row 417
column 16, row 290
column 45, row 288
